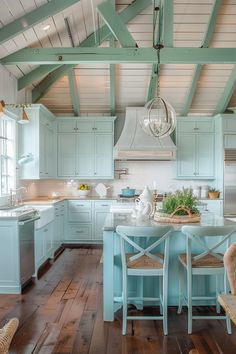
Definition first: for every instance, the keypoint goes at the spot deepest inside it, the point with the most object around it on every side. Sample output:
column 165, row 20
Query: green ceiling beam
column 198, row 68
column 112, row 83
column 126, row 15
column 227, row 93
column 116, row 25
column 73, row 91
column 35, row 75
column 32, row 18
column 77, row 55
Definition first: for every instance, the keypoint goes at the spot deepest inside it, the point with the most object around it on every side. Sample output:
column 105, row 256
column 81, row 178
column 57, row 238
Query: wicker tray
column 177, row 219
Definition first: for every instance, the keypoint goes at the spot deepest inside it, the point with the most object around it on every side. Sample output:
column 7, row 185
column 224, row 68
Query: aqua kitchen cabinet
column 37, row 138
column 43, row 245
column 195, row 148
column 101, row 208
column 85, row 147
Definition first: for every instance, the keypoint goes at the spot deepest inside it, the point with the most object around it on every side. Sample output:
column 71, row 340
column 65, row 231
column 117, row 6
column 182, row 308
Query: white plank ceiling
column 190, row 22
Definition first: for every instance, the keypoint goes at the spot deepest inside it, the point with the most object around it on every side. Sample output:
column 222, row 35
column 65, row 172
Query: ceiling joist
column 227, row 93
column 68, row 56
column 32, row 18
column 73, row 92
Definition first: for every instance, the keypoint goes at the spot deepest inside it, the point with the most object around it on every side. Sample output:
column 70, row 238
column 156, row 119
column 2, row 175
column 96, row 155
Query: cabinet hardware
column 79, row 232
column 45, row 230
column 80, row 205
column 195, row 128
column 105, row 205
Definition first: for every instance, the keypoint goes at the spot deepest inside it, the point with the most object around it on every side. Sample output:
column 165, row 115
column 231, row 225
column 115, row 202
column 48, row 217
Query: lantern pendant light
column 159, row 119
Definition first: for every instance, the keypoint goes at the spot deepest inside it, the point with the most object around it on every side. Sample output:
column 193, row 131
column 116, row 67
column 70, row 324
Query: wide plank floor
column 62, row 313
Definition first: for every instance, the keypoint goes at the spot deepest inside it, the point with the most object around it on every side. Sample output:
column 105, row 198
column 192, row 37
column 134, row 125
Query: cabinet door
column 205, row 156
column 85, row 155
column 66, row 159
column 48, row 152
column 85, row 126
column 230, row 141
column 39, row 248
column 104, row 164
column 42, row 150
column 78, row 232
column 186, row 155
column 100, row 217
column 48, row 236
column 66, row 126
column 103, row 127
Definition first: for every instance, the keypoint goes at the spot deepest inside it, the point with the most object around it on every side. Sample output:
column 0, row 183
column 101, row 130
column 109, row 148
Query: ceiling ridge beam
column 68, row 56
column 116, row 25
column 197, row 71
column 34, row 17
column 126, row 15
column 227, row 93
column 73, row 91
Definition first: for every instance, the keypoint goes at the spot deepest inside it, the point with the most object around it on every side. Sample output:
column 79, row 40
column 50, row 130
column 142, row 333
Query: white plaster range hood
column 135, row 144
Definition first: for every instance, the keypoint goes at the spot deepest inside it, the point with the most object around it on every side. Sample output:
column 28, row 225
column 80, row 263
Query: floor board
column 61, row 313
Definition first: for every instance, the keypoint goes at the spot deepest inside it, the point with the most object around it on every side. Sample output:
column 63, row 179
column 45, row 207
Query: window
column 7, row 155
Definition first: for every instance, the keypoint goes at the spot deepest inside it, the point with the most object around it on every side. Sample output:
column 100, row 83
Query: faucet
column 18, row 196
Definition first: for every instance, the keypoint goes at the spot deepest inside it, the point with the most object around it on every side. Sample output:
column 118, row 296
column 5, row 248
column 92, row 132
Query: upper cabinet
column 195, row 148
column 37, row 138
column 85, row 147
column 229, row 130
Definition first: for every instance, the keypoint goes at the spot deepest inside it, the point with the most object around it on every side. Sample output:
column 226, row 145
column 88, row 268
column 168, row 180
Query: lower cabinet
column 59, row 225
column 43, row 244
column 85, row 220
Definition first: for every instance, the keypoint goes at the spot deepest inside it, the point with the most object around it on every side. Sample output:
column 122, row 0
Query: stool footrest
column 145, row 318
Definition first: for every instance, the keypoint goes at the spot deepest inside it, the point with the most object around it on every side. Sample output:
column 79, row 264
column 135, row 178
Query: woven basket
column 177, row 219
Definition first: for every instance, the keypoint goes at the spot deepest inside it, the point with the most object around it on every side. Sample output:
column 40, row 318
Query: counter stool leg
column 226, row 290
column 140, row 292
column 161, row 294
column 217, row 293
column 181, row 284
column 124, row 297
column 190, row 309
column 165, row 307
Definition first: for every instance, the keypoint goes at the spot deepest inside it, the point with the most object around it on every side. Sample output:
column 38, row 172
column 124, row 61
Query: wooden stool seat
column 145, row 262
column 208, row 261
column 228, row 302
column 6, row 335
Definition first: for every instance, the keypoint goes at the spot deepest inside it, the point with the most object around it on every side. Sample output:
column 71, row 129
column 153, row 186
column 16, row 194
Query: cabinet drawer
column 103, row 205
column 78, row 205
column 81, row 232
column 85, row 126
column 229, row 124
column 83, row 216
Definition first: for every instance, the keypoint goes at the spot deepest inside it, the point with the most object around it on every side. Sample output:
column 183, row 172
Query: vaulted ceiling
column 191, row 87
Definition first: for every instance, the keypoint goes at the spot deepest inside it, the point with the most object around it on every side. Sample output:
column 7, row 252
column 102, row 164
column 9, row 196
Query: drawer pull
column 79, row 232
column 105, row 205
column 80, row 205
column 45, row 230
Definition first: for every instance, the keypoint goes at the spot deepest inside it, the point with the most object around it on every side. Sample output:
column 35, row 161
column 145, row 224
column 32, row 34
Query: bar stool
column 207, row 262
column 142, row 261
column 6, row 334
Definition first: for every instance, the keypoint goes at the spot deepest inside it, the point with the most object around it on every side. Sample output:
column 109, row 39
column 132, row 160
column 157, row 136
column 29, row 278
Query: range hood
column 135, row 144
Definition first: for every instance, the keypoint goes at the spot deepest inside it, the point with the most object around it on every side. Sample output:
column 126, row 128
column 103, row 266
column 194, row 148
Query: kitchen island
column 112, row 277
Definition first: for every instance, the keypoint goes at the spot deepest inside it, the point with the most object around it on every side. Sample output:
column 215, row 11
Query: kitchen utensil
column 128, row 192
column 101, row 190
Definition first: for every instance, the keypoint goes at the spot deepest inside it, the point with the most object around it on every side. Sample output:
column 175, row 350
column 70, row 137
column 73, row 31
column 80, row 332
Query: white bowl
column 83, row 192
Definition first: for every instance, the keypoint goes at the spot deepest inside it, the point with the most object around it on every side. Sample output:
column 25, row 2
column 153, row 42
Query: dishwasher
column 26, row 245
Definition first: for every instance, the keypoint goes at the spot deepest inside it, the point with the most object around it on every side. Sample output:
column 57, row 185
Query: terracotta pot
column 213, row 195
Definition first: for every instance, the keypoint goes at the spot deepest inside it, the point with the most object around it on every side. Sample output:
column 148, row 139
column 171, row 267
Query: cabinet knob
column 95, row 173
column 195, row 128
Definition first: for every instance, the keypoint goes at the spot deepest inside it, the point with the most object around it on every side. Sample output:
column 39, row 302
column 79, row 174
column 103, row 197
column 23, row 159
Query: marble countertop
column 47, row 200
column 115, row 219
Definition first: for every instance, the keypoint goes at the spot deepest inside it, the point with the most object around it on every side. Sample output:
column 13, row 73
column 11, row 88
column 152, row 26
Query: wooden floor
column 62, row 313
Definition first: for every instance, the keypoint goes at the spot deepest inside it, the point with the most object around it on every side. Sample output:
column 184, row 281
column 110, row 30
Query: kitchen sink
column 46, row 213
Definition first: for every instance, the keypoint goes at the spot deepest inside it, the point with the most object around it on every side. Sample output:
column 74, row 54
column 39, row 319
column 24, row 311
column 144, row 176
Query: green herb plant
column 213, row 190
column 183, row 198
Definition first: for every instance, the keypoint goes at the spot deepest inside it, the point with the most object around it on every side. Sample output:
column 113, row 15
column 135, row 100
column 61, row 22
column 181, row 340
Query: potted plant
column 179, row 207
column 83, row 190
column 213, row 193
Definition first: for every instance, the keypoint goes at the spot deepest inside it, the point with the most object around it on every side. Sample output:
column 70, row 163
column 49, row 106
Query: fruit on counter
column 83, row 187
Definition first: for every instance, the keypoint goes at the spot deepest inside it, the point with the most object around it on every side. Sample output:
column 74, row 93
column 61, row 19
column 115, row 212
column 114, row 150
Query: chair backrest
column 131, row 235
column 230, row 265
column 197, row 234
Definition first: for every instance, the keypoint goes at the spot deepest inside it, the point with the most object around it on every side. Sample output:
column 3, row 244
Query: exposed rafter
column 198, row 68
column 116, row 25
column 32, row 18
column 44, row 56
column 227, row 93
column 126, row 15
column 73, row 91
column 112, row 82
